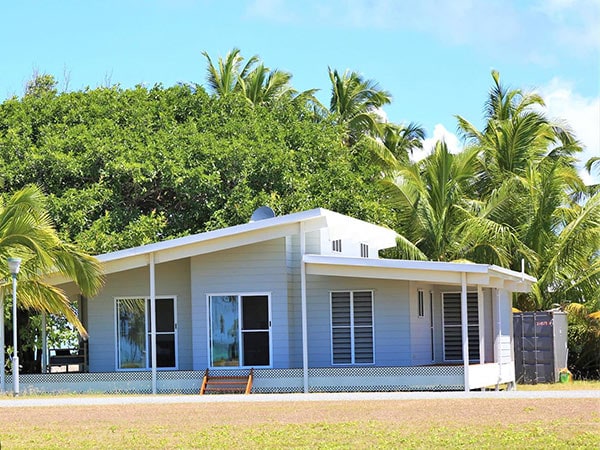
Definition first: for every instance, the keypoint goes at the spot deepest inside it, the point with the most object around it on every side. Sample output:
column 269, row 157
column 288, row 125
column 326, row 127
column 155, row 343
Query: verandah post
column 153, row 320
column 464, row 328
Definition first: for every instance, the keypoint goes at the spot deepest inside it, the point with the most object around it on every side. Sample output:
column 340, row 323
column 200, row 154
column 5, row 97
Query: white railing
column 490, row 375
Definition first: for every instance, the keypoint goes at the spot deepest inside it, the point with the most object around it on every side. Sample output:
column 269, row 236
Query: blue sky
column 435, row 57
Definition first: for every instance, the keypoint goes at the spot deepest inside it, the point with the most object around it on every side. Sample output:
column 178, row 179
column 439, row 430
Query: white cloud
column 574, row 23
column 280, row 11
column 439, row 133
column 581, row 113
column 537, row 31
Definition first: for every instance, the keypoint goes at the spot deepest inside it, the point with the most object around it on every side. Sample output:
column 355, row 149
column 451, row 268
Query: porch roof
column 426, row 271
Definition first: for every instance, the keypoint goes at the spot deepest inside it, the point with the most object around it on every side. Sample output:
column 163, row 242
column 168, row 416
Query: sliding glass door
column 239, row 330
column 134, row 348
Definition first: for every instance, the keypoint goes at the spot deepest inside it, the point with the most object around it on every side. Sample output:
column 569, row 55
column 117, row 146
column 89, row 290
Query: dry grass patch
column 579, row 385
column 491, row 423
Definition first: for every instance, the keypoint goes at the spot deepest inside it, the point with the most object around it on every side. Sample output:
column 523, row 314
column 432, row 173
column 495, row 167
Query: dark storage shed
column 540, row 346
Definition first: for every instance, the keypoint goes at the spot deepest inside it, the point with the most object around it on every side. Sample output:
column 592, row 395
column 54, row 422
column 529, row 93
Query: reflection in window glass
column 132, row 333
column 224, row 330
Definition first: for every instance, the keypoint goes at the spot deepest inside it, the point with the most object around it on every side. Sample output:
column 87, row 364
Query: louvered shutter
column 452, row 326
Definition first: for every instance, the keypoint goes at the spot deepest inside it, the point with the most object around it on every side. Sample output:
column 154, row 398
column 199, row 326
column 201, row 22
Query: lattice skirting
column 351, row 379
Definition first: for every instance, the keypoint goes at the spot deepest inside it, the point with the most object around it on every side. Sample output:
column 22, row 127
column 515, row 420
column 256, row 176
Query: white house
column 305, row 300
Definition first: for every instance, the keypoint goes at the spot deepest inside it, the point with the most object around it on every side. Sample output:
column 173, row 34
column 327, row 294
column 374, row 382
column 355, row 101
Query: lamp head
column 14, row 264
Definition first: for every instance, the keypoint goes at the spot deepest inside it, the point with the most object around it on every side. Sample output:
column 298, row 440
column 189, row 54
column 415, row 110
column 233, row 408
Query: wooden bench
column 223, row 384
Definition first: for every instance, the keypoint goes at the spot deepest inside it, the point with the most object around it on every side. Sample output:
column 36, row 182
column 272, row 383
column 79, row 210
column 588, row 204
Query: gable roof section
column 426, row 271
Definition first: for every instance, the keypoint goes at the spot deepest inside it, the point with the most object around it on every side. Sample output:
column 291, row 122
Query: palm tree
column 524, row 153
column 26, row 231
column 396, row 144
column 402, row 140
column 516, row 136
column 264, row 86
column 224, row 78
column 355, row 103
column 256, row 82
column 437, row 214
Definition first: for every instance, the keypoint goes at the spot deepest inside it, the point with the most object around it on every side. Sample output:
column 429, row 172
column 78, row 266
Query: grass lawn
column 456, row 423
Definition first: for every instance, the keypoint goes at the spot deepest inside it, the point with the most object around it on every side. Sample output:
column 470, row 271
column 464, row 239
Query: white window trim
column 352, row 355
column 146, row 299
column 208, row 315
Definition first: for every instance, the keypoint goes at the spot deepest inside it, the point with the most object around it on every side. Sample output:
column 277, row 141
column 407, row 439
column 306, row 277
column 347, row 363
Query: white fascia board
column 395, row 269
column 213, row 241
column 199, row 238
column 383, row 273
column 398, row 264
column 429, row 271
column 227, row 242
column 512, row 274
column 511, row 280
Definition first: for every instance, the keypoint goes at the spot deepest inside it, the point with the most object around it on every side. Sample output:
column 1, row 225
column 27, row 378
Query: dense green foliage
column 127, row 167
column 124, row 167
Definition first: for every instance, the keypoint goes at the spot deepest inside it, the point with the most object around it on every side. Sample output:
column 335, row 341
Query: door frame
column 146, row 332
column 239, row 295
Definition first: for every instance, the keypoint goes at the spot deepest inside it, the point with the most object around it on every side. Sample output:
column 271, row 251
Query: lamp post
column 14, row 264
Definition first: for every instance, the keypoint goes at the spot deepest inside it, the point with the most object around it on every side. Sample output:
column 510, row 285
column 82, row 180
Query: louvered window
column 364, row 250
column 452, row 326
column 336, row 245
column 352, row 327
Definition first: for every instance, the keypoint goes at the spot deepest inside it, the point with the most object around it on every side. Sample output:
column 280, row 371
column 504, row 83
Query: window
column 336, row 245
column 420, row 304
column 239, row 330
column 364, row 250
column 452, row 326
column 134, row 341
column 352, row 327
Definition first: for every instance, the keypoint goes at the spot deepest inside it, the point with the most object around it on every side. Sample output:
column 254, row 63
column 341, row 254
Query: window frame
column 352, row 328
column 240, row 331
column 147, row 343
